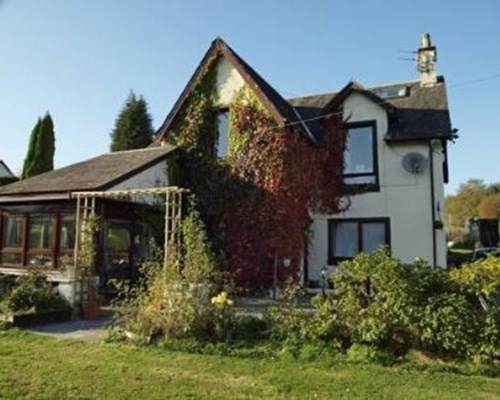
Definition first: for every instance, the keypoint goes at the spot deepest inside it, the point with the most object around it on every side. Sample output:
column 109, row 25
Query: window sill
column 52, row 275
column 337, row 260
column 358, row 188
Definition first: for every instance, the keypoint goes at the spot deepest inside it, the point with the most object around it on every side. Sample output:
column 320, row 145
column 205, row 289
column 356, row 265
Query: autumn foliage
column 289, row 176
column 256, row 202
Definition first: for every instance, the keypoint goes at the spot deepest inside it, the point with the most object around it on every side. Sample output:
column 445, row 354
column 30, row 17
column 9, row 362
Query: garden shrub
column 384, row 303
column 32, row 292
column 290, row 324
column 6, row 284
column 299, row 329
column 447, row 325
column 250, row 329
column 373, row 299
column 177, row 299
column 362, row 353
column 488, row 343
column 481, row 278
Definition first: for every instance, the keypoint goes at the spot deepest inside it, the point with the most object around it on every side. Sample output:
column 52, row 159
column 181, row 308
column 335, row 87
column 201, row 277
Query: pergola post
column 167, row 228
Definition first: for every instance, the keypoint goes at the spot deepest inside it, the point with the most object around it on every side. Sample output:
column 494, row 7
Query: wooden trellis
column 86, row 207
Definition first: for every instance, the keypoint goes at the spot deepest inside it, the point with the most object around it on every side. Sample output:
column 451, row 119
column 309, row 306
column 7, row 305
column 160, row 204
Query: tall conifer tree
column 41, row 148
column 133, row 127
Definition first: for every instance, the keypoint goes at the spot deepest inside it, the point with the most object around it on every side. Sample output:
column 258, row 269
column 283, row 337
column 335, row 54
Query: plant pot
column 91, row 309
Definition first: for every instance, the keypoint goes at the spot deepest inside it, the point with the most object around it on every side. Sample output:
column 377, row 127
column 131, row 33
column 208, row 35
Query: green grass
column 39, row 367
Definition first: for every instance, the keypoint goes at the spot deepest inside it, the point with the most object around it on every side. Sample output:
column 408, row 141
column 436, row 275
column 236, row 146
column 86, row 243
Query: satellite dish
column 414, row 163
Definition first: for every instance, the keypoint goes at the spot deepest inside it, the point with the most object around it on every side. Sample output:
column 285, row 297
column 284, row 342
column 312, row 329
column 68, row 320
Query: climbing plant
column 288, row 177
column 256, row 202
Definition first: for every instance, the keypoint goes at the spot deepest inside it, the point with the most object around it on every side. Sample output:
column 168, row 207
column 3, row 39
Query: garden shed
column 39, row 216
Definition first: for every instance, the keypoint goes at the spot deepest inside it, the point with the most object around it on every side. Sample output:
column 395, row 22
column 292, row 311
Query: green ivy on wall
column 255, row 202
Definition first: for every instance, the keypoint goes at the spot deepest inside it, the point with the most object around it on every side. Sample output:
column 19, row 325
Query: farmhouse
column 390, row 175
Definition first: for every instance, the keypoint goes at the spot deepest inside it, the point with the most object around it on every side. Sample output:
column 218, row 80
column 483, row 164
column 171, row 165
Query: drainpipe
column 433, row 202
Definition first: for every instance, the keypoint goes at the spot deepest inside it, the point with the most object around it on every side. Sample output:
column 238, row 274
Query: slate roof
column 98, row 173
column 420, row 114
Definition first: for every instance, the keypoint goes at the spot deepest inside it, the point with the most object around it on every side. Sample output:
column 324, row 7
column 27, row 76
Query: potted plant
column 90, row 301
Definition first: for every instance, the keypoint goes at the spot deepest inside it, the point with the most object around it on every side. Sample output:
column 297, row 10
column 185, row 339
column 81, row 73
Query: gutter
column 39, row 197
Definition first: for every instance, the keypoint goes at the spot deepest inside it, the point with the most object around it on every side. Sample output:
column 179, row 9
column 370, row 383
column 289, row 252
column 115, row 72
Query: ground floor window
column 348, row 237
column 12, row 232
column 41, row 240
column 36, row 239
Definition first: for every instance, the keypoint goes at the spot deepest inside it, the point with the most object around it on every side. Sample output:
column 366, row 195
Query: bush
column 177, row 299
column 488, row 344
column 447, row 325
column 359, row 353
column 299, row 329
column 250, row 329
column 32, row 292
column 394, row 306
column 6, row 284
column 481, row 278
column 374, row 299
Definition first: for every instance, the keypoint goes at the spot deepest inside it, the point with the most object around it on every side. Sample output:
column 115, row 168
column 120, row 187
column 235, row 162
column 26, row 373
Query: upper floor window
column 360, row 155
column 222, row 132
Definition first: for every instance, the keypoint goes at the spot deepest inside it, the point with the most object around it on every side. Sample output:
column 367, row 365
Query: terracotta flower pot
column 91, row 309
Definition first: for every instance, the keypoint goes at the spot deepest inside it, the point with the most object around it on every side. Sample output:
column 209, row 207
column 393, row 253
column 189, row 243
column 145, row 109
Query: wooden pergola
column 86, row 207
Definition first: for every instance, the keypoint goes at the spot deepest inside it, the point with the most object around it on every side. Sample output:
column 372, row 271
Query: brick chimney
column 426, row 61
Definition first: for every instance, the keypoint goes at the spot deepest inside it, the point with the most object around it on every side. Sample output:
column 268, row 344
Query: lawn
column 39, row 367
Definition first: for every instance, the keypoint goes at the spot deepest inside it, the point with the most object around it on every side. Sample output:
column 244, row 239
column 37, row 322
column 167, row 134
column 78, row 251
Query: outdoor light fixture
column 287, row 262
column 323, row 271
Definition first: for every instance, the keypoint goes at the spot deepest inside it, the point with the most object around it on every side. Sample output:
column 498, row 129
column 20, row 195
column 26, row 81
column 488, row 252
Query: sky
column 79, row 60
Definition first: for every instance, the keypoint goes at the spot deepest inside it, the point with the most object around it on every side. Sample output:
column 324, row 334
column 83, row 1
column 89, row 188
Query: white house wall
column 4, row 172
column 154, row 176
column 228, row 81
column 404, row 198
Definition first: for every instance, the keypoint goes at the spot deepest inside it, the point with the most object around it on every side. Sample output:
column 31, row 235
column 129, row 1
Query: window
column 360, row 155
column 12, row 239
column 117, row 243
column 348, row 237
column 222, row 133
column 37, row 239
column 41, row 240
column 13, row 231
column 67, row 232
column 40, row 232
column 67, row 235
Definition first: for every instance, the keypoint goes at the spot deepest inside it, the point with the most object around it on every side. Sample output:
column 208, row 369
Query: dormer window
column 222, row 132
column 360, row 155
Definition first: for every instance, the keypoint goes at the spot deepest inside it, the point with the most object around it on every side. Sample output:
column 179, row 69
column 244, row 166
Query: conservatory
column 41, row 218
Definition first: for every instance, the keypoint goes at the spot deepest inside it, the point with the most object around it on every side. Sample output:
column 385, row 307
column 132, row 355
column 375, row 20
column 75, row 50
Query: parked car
column 482, row 252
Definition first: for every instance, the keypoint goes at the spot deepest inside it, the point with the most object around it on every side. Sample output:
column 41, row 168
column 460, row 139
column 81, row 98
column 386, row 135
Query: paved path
column 95, row 330
column 83, row 330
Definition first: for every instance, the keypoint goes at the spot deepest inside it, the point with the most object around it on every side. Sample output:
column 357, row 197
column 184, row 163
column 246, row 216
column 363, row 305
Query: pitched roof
column 8, row 171
column 279, row 108
column 98, row 173
column 422, row 113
